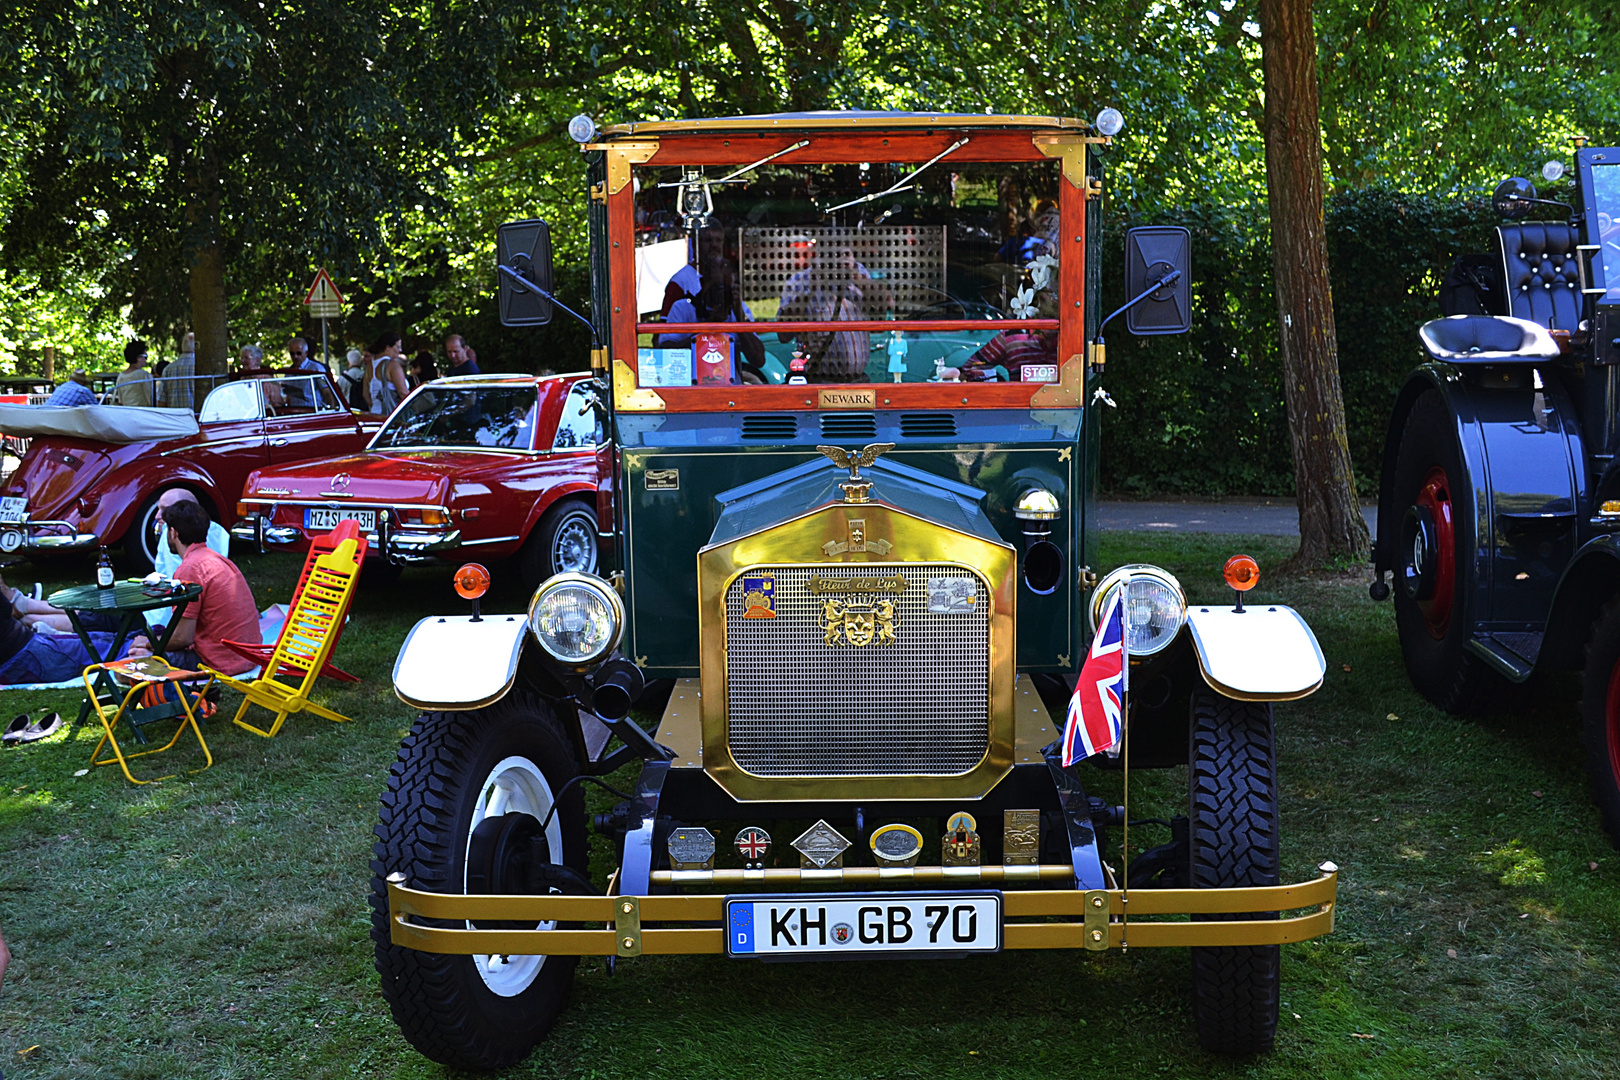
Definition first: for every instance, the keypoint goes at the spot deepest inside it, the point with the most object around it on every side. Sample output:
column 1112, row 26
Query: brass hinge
column 1093, row 188
column 599, row 192
column 627, row 925
column 1088, row 580
column 1096, row 904
column 599, row 361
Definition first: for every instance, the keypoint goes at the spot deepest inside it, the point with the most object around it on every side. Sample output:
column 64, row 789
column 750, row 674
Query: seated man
column 225, row 611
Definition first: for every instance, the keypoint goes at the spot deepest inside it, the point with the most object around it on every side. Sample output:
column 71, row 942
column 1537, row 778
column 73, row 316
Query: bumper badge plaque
column 691, row 848
column 820, row 846
column 896, row 845
column 960, row 846
column 753, row 844
column 1021, row 838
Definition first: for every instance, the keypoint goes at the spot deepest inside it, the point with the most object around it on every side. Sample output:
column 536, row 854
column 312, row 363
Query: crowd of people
column 374, row 379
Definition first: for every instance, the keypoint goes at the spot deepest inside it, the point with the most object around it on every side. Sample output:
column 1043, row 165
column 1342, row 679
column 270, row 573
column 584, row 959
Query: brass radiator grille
column 896, row 693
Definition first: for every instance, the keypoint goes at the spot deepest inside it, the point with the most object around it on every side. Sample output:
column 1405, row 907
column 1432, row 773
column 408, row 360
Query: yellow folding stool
column 145, row 674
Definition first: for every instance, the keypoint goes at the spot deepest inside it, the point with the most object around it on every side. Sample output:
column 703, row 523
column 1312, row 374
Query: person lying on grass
column 224, row 612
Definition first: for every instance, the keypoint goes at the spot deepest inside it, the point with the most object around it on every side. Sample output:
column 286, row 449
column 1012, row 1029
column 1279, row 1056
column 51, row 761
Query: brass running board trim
column 1097, row 920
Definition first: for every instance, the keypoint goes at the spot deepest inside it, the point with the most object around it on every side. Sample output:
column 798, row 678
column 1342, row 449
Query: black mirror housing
column 524, row 248
column 1151, row 254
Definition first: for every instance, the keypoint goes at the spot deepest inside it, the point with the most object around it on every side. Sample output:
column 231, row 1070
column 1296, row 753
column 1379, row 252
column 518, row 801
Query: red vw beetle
column 477, row 466
column 92, row 475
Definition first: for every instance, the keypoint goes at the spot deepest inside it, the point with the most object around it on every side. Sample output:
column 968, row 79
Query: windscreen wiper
column 903, row 183
column 734, row 177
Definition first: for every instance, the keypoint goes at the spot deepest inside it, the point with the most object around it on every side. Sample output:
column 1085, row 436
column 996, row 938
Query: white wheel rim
column 574, row 548
column 514, row 786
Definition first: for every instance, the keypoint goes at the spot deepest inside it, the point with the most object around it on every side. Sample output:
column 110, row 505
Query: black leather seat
column 1539, row 271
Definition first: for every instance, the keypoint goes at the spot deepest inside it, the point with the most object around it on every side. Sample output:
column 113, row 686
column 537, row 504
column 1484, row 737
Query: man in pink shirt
column 225, row 611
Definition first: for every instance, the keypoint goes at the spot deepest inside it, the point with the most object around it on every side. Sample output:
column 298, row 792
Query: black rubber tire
column 138, row 541
column 1442, row 669
column 441, row 1003
column 1600, row 728
column 538, row 559
column 1233, row 841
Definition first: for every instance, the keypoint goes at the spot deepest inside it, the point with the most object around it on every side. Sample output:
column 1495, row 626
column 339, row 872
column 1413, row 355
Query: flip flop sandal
column 48, row 725
column 15, row 729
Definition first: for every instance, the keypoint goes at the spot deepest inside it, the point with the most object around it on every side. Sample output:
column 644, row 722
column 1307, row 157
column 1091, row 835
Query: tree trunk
column 1330, row 522
column 208, row 310
column 207, row 266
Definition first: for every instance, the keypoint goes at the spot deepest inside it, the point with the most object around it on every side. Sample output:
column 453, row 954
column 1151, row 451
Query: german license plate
column 12, row 508
column 321, row 518
column 816, row 924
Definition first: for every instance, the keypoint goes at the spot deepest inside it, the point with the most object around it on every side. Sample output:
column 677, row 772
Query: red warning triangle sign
column 322, row 291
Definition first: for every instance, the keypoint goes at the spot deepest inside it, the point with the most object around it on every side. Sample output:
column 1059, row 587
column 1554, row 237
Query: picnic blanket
column 270, row 623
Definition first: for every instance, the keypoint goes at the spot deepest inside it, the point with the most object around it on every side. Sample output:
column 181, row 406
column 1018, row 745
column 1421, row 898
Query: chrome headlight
column 1155, row 606
column 576, row 618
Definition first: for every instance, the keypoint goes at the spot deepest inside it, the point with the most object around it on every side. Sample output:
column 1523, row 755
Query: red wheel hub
column 1435, row 497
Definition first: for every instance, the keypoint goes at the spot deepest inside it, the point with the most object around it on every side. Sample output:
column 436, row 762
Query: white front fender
column 1266, row 652
column 450, row 663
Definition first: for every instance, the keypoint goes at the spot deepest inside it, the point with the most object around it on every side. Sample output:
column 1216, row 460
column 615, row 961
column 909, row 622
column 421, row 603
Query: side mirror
column 1153, row 253
column 523, row 259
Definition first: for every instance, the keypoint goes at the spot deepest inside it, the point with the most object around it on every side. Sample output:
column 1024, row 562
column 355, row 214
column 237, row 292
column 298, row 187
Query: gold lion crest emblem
column 859, row 625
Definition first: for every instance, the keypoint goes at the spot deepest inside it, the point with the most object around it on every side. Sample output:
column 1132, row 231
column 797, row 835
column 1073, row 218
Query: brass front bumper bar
column 625, row 933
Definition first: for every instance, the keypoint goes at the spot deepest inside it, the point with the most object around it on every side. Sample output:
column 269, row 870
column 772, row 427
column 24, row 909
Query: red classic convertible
column 478, row 466
column 92, row 475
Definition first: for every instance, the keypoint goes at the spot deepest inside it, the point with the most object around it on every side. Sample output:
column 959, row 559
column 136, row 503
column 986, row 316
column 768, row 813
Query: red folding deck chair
column 260, row 653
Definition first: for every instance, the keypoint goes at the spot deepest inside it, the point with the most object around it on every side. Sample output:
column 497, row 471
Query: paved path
column 1265, row 517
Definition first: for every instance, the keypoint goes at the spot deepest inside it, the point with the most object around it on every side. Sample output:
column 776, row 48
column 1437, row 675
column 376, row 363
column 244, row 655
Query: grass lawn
column 216, row 925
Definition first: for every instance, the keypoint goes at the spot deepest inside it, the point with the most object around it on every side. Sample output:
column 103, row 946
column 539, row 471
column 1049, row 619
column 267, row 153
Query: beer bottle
column 104, row 571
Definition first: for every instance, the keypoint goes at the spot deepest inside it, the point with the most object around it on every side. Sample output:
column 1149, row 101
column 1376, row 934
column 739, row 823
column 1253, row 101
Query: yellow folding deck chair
column 311, row 632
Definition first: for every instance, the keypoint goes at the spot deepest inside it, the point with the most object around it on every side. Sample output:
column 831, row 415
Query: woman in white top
column 391, row 386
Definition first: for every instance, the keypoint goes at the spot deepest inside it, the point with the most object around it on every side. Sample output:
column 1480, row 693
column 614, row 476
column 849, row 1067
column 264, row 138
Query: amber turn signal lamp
column 1242, row 573
column 472, row 581
column 243, row 510
column 435, row 517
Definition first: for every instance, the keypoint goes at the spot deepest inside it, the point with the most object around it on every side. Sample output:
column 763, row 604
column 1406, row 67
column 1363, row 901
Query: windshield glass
column 1606, row 219
column 474, row 417
column 954, row 242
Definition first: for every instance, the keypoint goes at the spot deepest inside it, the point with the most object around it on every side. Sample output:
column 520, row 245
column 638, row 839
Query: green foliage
column 1204, row 413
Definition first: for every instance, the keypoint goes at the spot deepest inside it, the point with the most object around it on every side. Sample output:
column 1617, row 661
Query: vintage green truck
column 852, row 366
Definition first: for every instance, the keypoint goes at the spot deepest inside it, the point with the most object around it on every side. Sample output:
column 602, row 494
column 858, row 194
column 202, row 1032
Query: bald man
column 463, row 361
column 36, row 613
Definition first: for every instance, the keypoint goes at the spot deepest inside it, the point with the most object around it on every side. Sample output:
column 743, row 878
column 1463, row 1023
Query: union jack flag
column 1097, row 710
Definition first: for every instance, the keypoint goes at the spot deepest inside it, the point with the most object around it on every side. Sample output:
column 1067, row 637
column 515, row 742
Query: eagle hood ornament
column 856, row 488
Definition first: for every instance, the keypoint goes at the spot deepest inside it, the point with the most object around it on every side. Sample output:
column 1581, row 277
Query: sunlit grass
column 215, row 925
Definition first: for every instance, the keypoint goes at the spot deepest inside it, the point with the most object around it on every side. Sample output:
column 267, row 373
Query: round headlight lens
column 1155, row 606
column 576, row 618
column 1110, row 121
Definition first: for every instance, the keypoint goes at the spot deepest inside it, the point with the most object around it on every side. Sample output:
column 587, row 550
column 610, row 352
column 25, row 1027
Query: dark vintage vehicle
column 1499, row 507
column 851, row 607
column 478, row 466
column 99, row 484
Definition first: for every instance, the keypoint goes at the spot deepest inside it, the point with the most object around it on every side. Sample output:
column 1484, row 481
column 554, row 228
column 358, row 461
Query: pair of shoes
column 15, row 729
column 44, row 728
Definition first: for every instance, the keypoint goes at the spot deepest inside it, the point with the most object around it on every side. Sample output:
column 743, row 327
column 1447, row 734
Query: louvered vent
column 854, row 425
column 928, row 425
column 770, row 426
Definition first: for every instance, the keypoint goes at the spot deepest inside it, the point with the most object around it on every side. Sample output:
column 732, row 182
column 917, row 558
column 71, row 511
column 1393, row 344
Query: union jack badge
column 753, row 844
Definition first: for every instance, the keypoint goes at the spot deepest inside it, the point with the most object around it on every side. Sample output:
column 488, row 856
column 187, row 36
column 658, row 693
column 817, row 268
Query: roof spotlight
column 1110, row 121
column 582, row 129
